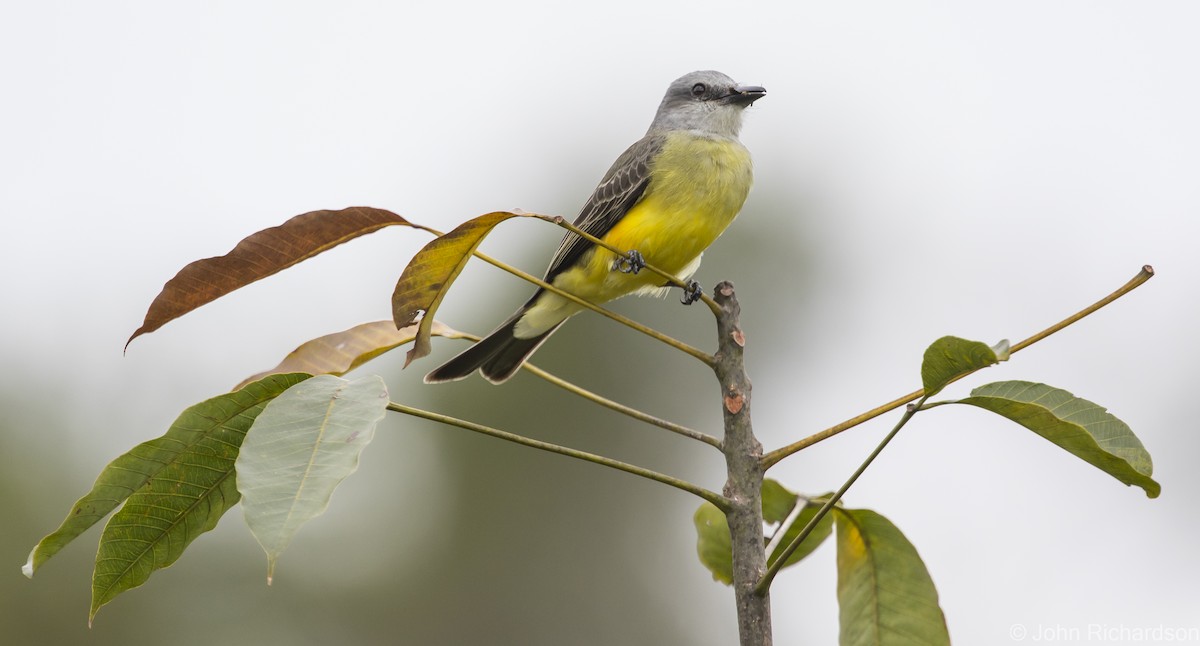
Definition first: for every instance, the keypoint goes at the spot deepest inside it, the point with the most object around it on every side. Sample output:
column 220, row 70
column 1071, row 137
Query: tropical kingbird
column 668, row 197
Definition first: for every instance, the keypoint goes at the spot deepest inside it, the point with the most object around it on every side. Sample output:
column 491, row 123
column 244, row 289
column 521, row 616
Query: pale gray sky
column 923, row 168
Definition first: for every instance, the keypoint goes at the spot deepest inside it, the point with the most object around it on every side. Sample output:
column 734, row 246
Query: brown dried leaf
column 341, row 352
column 260, row 255
column 430, row 273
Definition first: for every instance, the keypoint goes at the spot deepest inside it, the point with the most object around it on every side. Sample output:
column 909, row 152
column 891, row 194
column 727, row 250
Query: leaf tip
column 1002, row 349
column 421, row 348
column 27, row 569
column 272, row 559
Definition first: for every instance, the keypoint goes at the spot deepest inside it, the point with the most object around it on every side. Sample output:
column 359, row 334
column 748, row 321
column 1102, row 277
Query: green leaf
column 175, row 488
column 428, row 276
column 712, row 542
column 341, row 352
column 300, row 448
column 712, row 530
column 260, row 255
column 777, row 501
column 814, row 540
column 131, row 471
column 885, row 594
column 1084, row 429
column 950, row 358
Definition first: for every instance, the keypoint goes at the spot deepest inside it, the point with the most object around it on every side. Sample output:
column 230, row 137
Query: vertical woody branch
column 743, row 458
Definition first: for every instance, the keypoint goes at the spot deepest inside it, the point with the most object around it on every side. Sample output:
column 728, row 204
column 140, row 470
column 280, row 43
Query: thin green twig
column 765, row 583
column 772, row 458
column 623, row 409
column 627, row 322
column 720, row 501
column 614, row 405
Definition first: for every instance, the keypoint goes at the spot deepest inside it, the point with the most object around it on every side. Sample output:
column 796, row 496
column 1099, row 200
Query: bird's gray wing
column 620, row 189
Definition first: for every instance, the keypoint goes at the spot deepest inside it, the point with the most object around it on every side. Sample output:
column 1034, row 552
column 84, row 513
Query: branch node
column 734, row 401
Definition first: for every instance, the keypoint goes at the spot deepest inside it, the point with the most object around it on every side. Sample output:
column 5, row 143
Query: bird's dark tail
column 497, row 356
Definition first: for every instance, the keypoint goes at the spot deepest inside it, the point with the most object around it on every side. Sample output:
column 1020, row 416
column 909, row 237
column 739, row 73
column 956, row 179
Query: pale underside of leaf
column 183, row 497
column 300, row 448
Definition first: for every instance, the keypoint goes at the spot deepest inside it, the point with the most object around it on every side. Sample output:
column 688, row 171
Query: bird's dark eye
column 699, row 89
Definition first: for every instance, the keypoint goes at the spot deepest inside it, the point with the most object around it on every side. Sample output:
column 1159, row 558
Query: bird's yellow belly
column 698, row 185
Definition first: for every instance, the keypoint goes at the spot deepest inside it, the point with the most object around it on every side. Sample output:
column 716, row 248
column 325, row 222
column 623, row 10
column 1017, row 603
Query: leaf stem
column 716, row 499
column 772, row 458
column 765, row 583
column 1144, row 275
column 614, row 405
column 623, row 409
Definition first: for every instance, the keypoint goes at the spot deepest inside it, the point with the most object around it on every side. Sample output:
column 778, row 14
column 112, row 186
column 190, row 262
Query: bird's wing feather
column 620, row 189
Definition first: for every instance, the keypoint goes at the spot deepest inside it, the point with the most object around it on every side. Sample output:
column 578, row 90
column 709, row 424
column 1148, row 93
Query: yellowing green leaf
column 428, row 276
column 885, row 594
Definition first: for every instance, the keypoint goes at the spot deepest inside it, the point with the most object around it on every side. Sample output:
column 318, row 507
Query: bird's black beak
column 746, row 94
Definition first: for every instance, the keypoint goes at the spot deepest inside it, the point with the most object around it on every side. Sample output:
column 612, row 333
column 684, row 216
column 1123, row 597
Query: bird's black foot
column 692, row 293
column 630, row 263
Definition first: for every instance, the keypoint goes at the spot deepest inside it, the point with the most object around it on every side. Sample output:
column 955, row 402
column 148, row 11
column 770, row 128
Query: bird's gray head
column 707, row 101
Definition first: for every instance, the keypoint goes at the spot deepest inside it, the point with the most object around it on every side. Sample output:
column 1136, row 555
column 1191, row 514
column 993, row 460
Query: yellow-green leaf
column 885, row 595
column 712, row 530
column 713, row 544
column 950, row 357
column 428, row 277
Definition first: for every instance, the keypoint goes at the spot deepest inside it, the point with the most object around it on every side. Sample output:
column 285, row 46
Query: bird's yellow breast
column 697, row 186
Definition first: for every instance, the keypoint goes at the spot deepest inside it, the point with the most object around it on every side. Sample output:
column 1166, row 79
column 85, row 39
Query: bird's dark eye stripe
column 698, row 89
